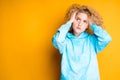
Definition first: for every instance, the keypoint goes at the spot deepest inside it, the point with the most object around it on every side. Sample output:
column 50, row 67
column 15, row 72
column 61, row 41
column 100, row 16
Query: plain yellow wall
column 26, row 29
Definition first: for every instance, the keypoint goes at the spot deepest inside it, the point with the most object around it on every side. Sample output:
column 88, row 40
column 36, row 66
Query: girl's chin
column 77, row 32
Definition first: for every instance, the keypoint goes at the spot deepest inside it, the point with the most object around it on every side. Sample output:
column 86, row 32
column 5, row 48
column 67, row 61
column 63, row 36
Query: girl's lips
column 78, row 28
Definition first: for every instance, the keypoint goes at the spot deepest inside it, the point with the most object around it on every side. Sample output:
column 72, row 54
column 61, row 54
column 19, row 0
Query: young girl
column 78, row 41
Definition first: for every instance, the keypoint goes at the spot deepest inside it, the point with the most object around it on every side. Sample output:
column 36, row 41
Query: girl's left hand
column 90, row 21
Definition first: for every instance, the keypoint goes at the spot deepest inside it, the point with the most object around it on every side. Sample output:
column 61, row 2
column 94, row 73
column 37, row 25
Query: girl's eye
column 85, row 21
column 77, row 19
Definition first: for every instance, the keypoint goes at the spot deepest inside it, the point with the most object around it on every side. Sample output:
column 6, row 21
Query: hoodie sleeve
column 100, row 38
column 58, row 39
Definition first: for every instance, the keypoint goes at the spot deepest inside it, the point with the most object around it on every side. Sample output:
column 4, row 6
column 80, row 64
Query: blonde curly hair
column 95, row 17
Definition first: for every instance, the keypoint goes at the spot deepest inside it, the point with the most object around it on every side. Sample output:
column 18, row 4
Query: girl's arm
column 58, row 39
column 100, row 37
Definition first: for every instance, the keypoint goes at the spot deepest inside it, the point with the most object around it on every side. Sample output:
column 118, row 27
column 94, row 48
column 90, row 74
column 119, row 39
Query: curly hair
column 95, row 17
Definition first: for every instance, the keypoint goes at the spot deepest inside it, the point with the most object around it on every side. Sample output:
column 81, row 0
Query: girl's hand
column 90, row 21
column 73, row 14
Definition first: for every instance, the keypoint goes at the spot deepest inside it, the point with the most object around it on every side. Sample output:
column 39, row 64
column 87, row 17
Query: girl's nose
column 79, row 23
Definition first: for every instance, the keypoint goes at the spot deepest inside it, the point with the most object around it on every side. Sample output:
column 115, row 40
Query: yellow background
column 26, row 29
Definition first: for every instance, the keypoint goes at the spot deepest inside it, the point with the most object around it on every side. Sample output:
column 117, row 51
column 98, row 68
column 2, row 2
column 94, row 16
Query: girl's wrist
column 71, row 21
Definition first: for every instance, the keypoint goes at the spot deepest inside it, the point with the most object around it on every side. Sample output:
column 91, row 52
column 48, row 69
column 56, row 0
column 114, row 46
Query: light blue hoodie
column 79, row 61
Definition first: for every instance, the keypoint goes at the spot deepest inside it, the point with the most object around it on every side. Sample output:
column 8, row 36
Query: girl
column 78, row 41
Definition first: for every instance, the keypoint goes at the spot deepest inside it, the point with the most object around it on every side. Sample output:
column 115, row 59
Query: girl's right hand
column 73, row 14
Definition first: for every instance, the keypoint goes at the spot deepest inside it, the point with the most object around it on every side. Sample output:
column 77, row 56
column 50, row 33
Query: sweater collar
column 82, row 35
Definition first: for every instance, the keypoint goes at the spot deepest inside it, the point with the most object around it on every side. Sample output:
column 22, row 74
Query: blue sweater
column 79, row 61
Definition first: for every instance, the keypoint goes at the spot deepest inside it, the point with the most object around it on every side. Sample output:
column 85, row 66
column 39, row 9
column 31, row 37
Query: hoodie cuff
column 65, row 26
column 95, row 27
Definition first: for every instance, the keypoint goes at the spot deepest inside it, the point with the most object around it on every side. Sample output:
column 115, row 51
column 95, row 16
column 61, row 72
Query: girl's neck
column 76, row 34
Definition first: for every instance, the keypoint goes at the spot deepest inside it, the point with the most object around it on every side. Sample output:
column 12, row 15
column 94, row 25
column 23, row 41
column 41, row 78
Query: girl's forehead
column 82, row 15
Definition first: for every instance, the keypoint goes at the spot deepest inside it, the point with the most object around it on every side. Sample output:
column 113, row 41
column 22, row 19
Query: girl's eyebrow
column 78, row 17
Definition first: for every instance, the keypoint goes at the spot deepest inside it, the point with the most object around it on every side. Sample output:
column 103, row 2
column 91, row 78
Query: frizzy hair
column 95, row 17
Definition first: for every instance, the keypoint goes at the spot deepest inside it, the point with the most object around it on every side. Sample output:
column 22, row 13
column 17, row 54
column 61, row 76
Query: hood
column 82, row 35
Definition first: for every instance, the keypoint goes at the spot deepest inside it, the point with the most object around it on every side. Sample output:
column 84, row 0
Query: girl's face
column 80, row 23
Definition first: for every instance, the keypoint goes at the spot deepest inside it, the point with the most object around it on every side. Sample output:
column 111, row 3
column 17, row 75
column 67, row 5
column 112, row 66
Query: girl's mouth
column 78, row 28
